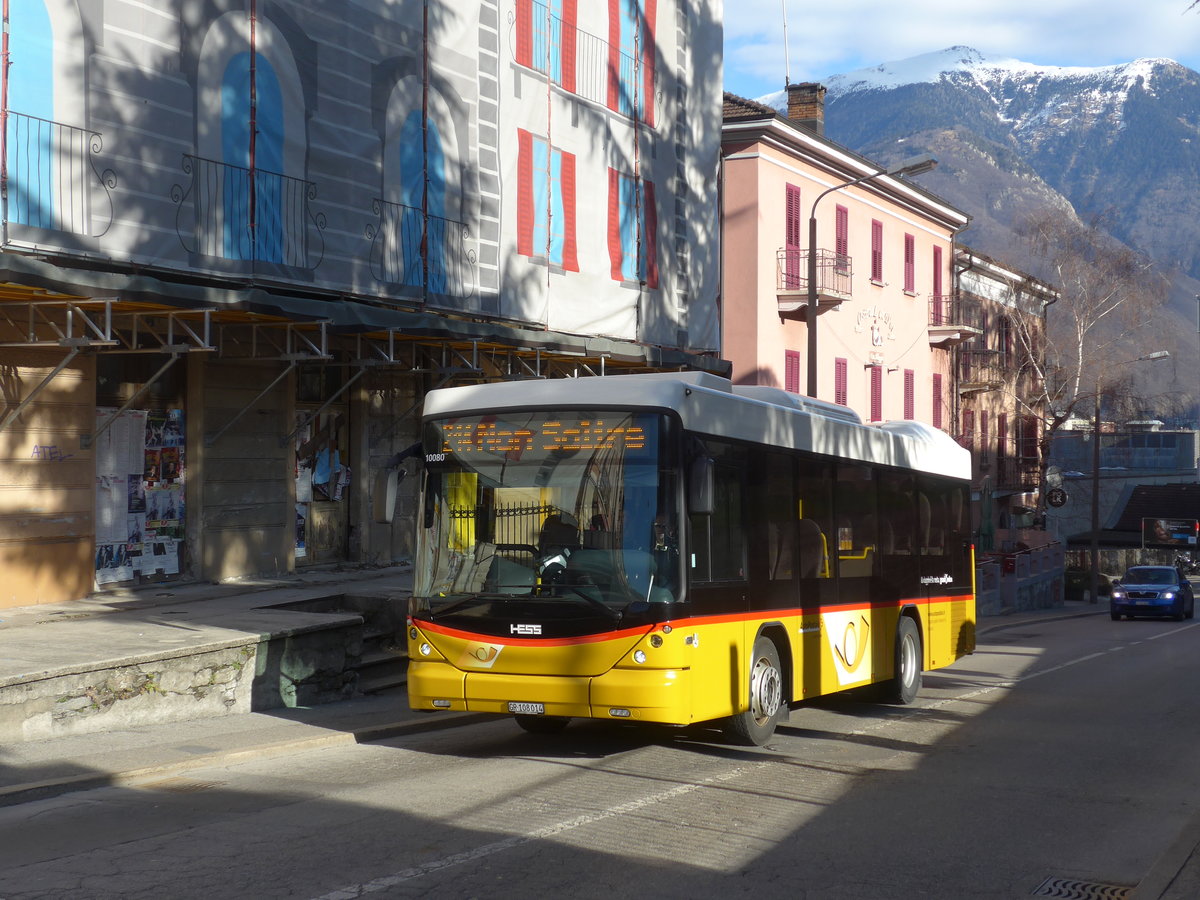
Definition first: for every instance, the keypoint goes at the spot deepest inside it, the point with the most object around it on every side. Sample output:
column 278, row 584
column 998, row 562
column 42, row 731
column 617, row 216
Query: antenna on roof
column 787, row 69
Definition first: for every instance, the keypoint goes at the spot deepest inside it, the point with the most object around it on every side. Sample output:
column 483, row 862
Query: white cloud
column 829, row 38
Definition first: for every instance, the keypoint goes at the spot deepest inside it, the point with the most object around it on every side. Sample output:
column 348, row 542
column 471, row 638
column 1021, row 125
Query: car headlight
column 1118, row 594
column 1168, row 595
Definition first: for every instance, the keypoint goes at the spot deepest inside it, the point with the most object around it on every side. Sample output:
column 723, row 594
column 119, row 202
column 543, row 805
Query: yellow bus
column 677, row 549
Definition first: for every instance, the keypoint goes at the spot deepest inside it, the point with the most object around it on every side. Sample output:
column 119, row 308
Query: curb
column 12, row 795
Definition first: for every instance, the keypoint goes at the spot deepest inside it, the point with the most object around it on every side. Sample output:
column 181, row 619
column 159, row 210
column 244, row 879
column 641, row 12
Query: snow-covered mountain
column 1120, row 143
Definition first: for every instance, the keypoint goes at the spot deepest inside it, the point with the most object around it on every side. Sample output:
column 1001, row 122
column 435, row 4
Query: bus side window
column 718, row 541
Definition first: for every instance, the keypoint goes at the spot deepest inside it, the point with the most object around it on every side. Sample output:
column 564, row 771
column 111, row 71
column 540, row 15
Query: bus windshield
column 572, row 514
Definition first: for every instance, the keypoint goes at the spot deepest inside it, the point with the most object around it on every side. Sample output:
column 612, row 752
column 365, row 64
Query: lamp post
column 914, row 165
column 1094, row 562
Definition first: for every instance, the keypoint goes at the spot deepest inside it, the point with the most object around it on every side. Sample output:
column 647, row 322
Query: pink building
column 886, row 316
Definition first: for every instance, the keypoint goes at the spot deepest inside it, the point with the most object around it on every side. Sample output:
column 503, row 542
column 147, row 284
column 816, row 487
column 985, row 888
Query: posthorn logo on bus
column 524, row 629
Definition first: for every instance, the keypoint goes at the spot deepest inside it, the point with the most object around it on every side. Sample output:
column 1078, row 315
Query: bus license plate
column 527, row 709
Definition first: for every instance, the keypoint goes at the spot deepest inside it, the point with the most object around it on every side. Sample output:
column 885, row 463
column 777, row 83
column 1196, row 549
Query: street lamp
column 914, row 165
column 1095, row 535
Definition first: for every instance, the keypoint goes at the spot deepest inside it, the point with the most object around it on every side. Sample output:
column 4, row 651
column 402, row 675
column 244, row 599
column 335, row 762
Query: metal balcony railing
column 979, row 370
column 1017, row 473
column 230, row 212
column 53, row 182
column 596, row 67
column 835, row 281
column 414, row 250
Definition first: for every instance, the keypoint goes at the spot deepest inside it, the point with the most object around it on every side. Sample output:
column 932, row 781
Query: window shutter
column 967, row 438
column 615, row 256
column 876, row 250
column 937, row 272
column 841, row 391
column 650, row 12
column 524, row 192
column 570, row 38
column 614, row 54
column 876, row 393
column 937, row 399
column 570, row 260
column 525, row 32
column 1002, row 436
column 910, row 387
column 910, row 263
column 791, row 371
column 791, row 238
column 984, row 434
column 841, row 245
column 650, row 239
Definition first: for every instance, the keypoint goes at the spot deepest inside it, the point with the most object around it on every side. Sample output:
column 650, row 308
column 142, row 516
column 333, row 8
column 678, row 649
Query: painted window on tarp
column 30, row 133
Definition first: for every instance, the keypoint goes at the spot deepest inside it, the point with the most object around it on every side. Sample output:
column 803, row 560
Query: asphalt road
column 1061, row 752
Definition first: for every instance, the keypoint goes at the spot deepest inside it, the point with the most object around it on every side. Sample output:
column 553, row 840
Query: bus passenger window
column 718, row 541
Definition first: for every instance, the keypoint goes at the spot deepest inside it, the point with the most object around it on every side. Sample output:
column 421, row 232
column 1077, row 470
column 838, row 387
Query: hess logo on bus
column 524, row 629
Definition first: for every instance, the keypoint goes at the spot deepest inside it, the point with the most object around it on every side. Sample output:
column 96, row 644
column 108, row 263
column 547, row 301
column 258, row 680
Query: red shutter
column 937, row 272
column 524, row 192
column 1029, row 437
column 614, row 223
column 910, row 263
column 910, row 390
column 525, row 32
column 842, row 240
column 791, row 238
column 1002, row 436
column 841, row 392
column 651, row 235
column 648, row 52
column 876, row 250
column 967, row 438
column 614, row 54
column 569, row 40
column 876, row 393
column 791, row 371
column 937, row 399
column 570, row 244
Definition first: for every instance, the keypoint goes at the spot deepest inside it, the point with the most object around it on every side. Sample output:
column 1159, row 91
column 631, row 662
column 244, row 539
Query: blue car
column 1152, row 591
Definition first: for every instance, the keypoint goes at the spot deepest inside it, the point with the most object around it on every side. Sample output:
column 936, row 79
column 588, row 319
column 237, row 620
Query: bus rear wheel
column 754, row 726
column 542, row 724
column 906, row 682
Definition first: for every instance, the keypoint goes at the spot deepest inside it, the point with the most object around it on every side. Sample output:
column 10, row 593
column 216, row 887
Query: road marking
column 388, row 881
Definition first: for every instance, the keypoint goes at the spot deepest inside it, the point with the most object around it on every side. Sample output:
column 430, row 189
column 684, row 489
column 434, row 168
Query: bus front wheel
column 755, row 725
column 906, row 682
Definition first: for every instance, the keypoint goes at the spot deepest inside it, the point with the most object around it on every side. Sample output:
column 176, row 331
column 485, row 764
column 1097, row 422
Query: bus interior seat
column 560, row 531
column 811, row 543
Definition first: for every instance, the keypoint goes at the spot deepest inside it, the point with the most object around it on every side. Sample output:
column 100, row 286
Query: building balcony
column 1017, row 473
column 835, row 282
column 979, row 371
column 425, row 254
column 951, row 321
column 248, row 215
column 52, row 182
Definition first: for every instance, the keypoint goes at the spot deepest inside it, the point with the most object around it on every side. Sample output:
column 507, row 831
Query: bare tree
column 1107, row 294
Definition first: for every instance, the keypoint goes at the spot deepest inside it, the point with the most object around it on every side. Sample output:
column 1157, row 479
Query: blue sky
column 829, row 38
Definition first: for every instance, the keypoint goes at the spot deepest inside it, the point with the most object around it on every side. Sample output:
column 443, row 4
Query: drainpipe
column 4, row 62
column 253, row 127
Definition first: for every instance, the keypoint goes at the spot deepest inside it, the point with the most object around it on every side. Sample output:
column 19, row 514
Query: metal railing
column 835, row 273
column 411, row 249
column 231, row 212
column 594, row 73
column 946, row 309
column 53, row 182
column 979, row 368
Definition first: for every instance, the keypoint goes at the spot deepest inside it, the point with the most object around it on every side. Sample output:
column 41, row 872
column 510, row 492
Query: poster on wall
column 140, row 476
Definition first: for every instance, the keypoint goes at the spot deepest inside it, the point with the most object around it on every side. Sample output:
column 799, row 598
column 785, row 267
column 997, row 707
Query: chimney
column 806, row 106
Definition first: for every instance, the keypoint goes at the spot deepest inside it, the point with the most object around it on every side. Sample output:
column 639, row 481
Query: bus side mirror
column 700, row 486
